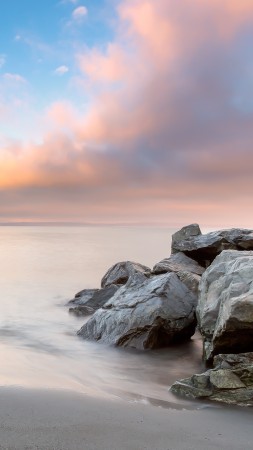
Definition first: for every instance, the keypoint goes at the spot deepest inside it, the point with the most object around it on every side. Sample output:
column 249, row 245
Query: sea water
column 41, row 268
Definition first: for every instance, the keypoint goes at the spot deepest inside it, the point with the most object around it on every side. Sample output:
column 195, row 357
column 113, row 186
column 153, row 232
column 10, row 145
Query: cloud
column 14, row 77
column 79, row 13
column 166, row 131
column 61, row 70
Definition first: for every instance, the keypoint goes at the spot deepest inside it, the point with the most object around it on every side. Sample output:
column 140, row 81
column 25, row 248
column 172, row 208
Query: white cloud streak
column 79, row 13
column 61, row 70
column 14, row 77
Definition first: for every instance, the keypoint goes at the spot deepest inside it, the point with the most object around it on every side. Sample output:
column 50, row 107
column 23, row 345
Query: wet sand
column 60, row 420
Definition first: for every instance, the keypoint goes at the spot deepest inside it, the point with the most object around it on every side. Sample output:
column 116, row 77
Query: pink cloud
column 162, row 135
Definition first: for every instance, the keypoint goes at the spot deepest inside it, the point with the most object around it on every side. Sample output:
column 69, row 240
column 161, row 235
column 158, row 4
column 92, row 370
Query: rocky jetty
column 207, row 280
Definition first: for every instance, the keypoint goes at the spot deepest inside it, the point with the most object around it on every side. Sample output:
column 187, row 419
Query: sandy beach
column 60, row 420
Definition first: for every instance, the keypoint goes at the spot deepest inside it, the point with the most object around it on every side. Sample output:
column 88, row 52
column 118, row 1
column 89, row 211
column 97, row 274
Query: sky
column 127, row 112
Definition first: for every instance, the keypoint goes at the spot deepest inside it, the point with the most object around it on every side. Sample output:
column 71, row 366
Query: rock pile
column 207, row 280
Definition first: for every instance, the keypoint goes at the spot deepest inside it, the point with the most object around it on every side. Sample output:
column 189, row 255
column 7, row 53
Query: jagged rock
column 154, row 313
column 225, row 307
column 120, row 272
column 205, row 247
column 230, row 381
column 86, row 302
column 188, row 270
column 187, row 232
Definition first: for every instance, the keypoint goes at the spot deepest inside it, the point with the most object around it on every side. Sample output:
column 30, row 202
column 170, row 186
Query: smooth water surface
column 41, row 269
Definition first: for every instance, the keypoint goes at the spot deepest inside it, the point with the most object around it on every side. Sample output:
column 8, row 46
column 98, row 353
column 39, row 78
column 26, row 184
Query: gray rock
column 205, row 247
column 88, row 301
column 225, row 306
column 176, row 263
column 233, row 384
column 83, row 296
column 119, row 273
column 188, row 270
column 225, row 379
column 81, row 310
column 187, row 232
column 154, row 313
column 191, row 280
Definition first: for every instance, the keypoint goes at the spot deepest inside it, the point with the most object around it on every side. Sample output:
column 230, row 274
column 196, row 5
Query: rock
column 230, row 381
column 191, row 280
column 83, row 296
column 176, row 263
column 205, row 247
column 120, row 272
column 81, row 310
column 188, row 270
column 225, row 379
column 88, row 301
column 154, row 313
column 225, row 307
column 187, row 232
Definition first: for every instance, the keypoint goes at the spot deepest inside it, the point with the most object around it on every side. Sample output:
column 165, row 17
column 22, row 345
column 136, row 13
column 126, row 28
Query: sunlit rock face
column 225, row 306
column 147, row 313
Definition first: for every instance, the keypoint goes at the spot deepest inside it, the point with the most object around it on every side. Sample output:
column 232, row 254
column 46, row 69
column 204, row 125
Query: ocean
column 42, row 267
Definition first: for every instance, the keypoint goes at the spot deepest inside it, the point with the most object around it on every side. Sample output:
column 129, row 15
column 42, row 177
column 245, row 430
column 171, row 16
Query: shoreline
column 64, row 420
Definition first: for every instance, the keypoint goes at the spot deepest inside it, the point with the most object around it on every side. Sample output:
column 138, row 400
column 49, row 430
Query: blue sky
column 37, row 38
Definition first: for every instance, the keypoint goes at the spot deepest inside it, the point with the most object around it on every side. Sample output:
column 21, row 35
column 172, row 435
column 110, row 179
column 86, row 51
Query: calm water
column 41, row 269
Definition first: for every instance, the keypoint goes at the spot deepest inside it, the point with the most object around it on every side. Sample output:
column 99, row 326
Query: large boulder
column 86, row 302
column 205, row 247
column 187, row 269
column 120, row 272
column 225, row 306
column 230, row 381
column 152, row 313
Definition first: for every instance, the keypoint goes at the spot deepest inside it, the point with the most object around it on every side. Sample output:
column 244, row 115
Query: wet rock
column 225, row 306
column 205, row 247
column 119, row 273
column 88, row 301
column 153, row 313
column 230, row 381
